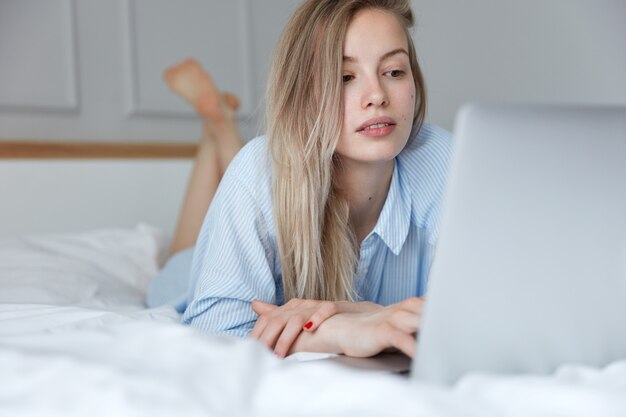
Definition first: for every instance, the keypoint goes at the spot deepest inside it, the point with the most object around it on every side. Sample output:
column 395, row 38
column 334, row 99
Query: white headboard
column 51, row 188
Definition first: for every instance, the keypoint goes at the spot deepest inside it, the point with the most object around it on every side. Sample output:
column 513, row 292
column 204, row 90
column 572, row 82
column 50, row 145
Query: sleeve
column 233, row 261
column 172, row 282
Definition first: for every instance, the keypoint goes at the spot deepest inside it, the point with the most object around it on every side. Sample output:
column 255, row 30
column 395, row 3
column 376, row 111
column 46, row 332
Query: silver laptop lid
column 530, row 268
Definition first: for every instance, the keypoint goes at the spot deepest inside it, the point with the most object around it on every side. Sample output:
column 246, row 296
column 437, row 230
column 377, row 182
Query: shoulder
column 426, row 156
column 251, row 166
column 247, row 180
column 251, row 157
column 430, row 143
column 423, row 167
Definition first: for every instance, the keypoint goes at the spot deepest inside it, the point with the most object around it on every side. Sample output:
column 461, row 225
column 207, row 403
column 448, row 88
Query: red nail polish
column 308, row 325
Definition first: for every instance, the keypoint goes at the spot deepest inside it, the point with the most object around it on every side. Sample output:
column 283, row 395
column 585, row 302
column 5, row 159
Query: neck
column 365, row 187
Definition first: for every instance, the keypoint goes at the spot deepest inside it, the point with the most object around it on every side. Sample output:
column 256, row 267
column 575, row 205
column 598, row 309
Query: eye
column 395, row 73
column 347, row 78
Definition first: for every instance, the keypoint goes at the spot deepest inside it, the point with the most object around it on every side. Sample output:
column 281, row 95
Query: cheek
column 412, row 94
column 350, row 106
column 409, row 104
column 411, row 98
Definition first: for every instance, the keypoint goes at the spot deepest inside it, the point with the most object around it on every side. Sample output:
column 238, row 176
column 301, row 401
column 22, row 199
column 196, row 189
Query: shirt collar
column 393, row 223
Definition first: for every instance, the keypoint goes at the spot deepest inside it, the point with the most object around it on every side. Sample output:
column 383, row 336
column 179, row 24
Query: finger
column 272, row 332
column 326, row 310
column 259, row 327
column 261, row 307
column 413, row 304
column 405, row 321
column 300, row 303
column 263, row 310
column 288, row 336
column 391, row 337
column 402, row 341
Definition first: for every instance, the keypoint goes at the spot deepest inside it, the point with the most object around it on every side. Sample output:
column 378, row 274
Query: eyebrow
column 382, row 58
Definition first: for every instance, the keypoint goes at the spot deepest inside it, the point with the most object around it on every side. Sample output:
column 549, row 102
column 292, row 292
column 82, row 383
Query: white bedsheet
column 70, row 361
column 75, row 340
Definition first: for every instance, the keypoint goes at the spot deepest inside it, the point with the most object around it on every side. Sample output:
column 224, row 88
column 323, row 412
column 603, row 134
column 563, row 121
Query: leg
column 220, row 142
column 190, row 81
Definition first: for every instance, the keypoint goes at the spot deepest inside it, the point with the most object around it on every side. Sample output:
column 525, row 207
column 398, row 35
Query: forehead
column 374, row 31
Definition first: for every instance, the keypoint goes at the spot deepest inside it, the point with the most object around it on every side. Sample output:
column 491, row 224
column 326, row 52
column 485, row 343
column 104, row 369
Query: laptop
column 530, row 266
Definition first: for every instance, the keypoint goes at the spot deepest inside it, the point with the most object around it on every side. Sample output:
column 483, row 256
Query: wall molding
column 28, row 149
column 71, row 102
column 248, row 98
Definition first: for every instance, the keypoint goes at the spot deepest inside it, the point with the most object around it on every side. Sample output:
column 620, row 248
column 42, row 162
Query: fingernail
column 308, row 325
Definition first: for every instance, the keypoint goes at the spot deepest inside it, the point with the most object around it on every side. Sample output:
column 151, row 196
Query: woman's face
column 378, row 91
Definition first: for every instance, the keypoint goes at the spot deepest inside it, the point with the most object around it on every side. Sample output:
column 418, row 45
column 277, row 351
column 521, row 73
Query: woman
column 321, row 234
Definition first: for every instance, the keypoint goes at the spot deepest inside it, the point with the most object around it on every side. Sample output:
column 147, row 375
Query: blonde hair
column 304, row 118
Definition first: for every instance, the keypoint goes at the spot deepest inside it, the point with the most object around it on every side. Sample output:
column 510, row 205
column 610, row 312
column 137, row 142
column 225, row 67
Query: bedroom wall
column 91, row 69
column 563, row 51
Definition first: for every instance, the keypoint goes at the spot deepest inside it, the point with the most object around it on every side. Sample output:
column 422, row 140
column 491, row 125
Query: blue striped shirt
column 236, row 258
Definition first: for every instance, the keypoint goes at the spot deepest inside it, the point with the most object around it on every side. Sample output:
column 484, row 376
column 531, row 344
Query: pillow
column 100, row 268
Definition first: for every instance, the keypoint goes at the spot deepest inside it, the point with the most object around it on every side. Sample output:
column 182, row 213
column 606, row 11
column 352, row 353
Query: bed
column 84, row 228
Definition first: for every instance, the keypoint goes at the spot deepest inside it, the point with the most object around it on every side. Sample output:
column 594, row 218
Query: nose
column 374, row 94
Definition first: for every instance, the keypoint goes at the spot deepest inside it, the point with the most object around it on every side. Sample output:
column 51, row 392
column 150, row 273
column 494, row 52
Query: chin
column 384, row 151
column 372, row 150
column 377, row 156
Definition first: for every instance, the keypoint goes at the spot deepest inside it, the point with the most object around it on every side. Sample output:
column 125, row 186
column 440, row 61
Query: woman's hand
column 278, row 327
column 359, row 329
column 392, row 327
column 367, row 333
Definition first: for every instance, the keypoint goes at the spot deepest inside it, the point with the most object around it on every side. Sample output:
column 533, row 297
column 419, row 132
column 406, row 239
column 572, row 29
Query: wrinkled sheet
column 70, row 361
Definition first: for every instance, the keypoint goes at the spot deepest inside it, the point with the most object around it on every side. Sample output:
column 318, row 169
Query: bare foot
column 191, row 82
column 219, row 111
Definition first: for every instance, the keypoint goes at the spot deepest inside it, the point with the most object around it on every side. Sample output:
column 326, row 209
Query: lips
column 376, row 123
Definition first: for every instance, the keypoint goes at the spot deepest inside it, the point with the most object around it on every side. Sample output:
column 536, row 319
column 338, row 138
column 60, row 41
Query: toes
column 231, row 100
